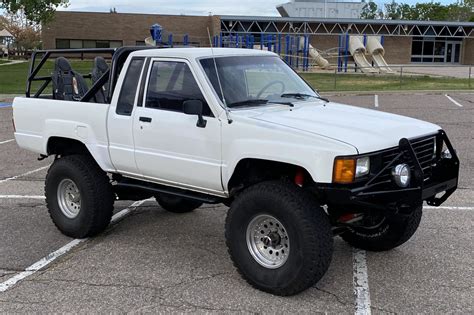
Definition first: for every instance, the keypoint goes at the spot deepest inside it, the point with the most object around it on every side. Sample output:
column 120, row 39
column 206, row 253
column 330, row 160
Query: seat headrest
column 101, row 64
column 62, row 64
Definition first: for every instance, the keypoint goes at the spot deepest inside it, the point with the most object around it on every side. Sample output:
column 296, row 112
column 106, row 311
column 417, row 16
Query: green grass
column 13, row 80
column 4, row 61
column 326, row 82
column 13, row 77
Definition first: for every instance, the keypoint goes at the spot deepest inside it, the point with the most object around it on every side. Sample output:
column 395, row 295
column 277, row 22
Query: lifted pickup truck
column 194, row 125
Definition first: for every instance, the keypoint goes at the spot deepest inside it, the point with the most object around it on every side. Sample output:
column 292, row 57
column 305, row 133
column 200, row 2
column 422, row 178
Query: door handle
column 145, row 119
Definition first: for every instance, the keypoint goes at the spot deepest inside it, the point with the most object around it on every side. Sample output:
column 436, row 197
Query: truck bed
column 36, row 120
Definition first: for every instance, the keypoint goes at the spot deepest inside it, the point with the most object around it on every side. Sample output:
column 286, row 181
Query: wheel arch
column 57, row 145
column 249, row 171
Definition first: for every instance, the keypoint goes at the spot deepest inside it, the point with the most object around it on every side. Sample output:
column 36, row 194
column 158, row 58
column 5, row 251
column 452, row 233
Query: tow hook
column 42, row 157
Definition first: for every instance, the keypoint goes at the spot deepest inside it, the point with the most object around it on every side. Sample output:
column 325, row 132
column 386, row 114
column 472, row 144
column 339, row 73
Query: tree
column 26, row 35
column 369, row 11
column 429, row 11
column 392, row 11
column 36, row 11
column 406, row 12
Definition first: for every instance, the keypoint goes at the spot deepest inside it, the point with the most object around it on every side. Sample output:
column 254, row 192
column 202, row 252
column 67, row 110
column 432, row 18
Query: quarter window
column 170, row 85
column 129, row 87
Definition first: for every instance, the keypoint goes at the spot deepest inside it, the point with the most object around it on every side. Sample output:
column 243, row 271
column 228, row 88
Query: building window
column 79, row 43
column 436, row 50
column 89, row 44
column 102, row 44
column 115, row 44
column 75, row 44
column 140, row 43
column 62, row 44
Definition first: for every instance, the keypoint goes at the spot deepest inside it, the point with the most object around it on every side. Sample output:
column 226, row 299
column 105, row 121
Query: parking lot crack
column 101, row 285
column 191, row 281
column 22, row 302
column 457, row 287
column 382, row 310
column 217, row 309
column 338, row 299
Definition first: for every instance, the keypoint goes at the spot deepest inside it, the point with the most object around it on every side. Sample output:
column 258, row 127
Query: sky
column 192, row 7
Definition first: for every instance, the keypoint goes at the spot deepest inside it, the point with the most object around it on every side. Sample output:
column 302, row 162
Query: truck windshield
column 256, row 81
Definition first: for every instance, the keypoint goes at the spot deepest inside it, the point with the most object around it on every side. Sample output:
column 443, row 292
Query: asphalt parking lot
column 155, row 261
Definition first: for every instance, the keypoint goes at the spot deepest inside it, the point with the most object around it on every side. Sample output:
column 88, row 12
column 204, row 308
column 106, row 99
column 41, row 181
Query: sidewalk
column 13, row 62
column 460, row 72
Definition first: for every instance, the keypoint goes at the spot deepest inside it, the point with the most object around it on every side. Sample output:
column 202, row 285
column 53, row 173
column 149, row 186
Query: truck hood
column 367, row 130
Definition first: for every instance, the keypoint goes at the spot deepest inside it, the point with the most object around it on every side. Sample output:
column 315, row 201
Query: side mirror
column 194, row 107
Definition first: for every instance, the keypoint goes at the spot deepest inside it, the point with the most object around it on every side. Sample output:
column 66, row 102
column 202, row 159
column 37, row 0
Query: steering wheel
column 271, row 84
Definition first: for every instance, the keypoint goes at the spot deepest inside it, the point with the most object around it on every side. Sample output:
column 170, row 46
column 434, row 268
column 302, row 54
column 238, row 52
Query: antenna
column 227, row 112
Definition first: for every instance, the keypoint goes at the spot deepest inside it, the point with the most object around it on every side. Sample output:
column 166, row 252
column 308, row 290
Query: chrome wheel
column 69, row 198
column 268, row 241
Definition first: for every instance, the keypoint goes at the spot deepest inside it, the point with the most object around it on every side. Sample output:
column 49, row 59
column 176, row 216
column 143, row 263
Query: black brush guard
column 370, row 196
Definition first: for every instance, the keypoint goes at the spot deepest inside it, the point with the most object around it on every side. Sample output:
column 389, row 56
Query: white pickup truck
column 194, row 125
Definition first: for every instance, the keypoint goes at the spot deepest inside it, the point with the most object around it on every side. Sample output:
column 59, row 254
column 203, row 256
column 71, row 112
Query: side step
column 131, row 189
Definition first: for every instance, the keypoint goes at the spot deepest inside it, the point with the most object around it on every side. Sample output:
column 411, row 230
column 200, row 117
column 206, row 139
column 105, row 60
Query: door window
column 129, row 87
column 170, row 85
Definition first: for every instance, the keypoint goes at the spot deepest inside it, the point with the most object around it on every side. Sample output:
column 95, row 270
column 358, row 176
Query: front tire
column 79, row 196
column 295, row 249
column 385, row 235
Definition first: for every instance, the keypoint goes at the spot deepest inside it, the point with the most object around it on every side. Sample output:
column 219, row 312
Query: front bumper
column 391, row 198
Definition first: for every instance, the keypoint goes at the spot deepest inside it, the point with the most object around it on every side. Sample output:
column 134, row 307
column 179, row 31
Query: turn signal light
column 344, row 171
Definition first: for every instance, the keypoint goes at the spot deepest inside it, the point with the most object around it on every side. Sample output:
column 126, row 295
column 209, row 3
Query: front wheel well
column 252, row 171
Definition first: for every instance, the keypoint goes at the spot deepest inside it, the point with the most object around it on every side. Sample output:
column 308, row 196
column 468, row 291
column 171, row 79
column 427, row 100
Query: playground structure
column 158, row 35
column 376, row 50
column 297, row 50
column 359, row 47
column 358, row 52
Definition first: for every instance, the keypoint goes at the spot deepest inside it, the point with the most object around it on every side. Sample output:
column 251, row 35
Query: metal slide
column 357, row 49
column 149, row 41
column 377, row 51
column 315, row 55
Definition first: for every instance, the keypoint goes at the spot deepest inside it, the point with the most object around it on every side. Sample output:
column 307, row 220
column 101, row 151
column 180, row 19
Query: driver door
column 169, row 147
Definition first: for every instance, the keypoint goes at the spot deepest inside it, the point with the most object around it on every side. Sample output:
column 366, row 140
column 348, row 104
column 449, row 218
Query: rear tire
column 79, row 196
column 297, row 233
column 386, row 235
column 177, row 204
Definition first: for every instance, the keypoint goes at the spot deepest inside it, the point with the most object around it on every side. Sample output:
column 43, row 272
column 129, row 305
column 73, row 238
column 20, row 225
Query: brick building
column 103, row 30
column 404, row 41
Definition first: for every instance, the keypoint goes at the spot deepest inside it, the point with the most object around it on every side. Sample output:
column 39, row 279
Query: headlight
column 346, row 170
column 447, row 154
column 363, row 167
column 402, row 175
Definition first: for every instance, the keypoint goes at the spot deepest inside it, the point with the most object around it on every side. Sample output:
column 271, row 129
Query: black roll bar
column 118, row 56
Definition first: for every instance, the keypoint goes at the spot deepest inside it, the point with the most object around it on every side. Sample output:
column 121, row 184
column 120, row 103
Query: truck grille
column 424, row 149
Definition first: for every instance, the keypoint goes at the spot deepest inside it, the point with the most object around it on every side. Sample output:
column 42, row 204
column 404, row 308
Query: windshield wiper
column 302, row 95
column 248, row 102
column 258, row 102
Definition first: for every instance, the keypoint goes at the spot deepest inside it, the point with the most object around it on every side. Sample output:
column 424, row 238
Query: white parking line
column 25, row 174
column 7, row 141
column 453, row 100
column 361, row 282
column 376, row 101
column 21, row 197
column 448, row 208
column 48, row 259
